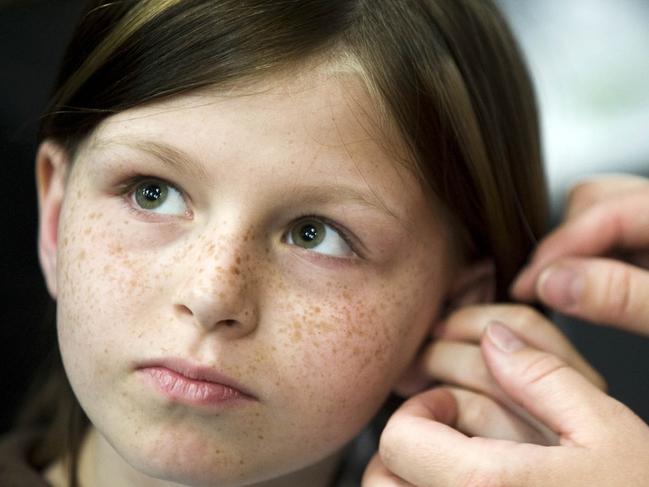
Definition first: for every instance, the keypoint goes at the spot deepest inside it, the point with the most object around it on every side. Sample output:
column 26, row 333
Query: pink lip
column 184, row 382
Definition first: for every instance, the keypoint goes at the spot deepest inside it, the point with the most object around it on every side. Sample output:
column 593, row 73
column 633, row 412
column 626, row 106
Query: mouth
column 181, row 381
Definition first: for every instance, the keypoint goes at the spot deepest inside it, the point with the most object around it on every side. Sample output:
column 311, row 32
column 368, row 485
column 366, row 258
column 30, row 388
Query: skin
column 601, row 442
column 319, row 340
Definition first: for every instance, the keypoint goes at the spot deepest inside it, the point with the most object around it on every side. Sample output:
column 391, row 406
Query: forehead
column 316, row 127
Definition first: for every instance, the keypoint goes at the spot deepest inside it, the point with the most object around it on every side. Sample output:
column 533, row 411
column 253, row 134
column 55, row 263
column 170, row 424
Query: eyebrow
column 168, row 155
column 177, row 159
column 329, row 193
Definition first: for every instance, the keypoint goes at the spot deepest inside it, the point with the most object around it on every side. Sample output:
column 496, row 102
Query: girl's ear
column 473, row 284
column 51, row 170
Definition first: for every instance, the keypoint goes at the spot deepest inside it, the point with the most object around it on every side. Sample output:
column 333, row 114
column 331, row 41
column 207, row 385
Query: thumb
column 598, row 290
column 545, row 386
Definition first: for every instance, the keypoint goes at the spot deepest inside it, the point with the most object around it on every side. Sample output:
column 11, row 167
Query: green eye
column 308, row 233
column 312, row 234
column 151, row 194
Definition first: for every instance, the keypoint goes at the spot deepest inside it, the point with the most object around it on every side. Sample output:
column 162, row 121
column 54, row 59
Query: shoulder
column 15, row 468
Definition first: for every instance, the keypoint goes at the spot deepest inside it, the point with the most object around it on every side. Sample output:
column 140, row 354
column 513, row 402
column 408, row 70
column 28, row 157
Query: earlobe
column 51, row 170
column 474, row 284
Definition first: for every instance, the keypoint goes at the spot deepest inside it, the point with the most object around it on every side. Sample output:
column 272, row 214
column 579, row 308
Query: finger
column 376, row 475
column 468, row 324
column 619, row 224
column 479, row 415
column 545, row 386
column 598, row 290
column 601, row 188
column 418, row 446
column 462, row 364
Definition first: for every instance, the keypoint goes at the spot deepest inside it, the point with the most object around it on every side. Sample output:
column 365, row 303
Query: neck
column 101, row 466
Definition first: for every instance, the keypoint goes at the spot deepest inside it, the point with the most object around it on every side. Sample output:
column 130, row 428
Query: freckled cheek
column 99, row 284
column 344, row 359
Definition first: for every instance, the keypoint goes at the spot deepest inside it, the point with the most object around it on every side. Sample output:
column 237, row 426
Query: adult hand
column 602, row 443
column 454, row 358
column 573, row 271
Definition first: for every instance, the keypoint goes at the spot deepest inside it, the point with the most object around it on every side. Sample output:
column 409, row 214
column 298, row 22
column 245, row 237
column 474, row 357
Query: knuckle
column 540, row 368
column 616, row 411
column 615, row 299
column 524, row 318
column 599, row 381
column 477, row 413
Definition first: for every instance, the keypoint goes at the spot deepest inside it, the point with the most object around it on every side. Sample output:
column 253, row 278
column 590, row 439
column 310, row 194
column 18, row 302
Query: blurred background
column 591, row 68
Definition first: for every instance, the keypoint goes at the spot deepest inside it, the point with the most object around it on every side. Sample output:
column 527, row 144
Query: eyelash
column 126, row 188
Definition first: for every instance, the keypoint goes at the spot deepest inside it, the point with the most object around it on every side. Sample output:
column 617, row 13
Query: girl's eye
column 157, row 195
column 313, row 234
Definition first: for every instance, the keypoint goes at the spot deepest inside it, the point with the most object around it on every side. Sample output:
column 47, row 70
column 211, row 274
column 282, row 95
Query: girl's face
column 266, row 237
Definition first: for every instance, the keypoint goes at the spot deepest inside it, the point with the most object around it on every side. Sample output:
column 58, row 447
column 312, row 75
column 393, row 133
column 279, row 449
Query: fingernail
column 503, row 338
column 561, row 286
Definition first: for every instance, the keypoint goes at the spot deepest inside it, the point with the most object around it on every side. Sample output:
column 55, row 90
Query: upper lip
column 196, row 372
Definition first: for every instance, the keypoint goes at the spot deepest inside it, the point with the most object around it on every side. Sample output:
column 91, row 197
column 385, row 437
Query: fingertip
column 522, row 287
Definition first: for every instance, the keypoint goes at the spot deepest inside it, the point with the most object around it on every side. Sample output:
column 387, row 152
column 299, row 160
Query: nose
column 217, row 294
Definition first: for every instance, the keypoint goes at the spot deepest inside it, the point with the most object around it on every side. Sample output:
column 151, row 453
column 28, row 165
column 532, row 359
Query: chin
column 216, row 466
column 224, row 472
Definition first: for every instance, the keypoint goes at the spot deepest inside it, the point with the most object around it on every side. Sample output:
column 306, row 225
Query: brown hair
column 447, row 74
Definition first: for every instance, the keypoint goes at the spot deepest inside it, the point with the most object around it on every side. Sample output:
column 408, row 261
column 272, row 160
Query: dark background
column 33, row 35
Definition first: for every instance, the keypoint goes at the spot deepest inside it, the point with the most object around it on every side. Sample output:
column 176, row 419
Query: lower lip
column 193, row 392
